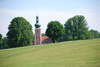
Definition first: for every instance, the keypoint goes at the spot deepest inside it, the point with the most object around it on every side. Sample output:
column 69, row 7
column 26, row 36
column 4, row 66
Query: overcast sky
column 49, row 10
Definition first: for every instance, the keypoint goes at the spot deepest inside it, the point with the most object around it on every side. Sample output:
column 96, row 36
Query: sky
column 49, row 10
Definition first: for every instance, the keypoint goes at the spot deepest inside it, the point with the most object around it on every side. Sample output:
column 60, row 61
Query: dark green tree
column 76, row 28
column 94, row 34
column 5, row 45
column 20, row 32
column 1, row 41
column 0, row 36
column 68, row 26
column 54, row 30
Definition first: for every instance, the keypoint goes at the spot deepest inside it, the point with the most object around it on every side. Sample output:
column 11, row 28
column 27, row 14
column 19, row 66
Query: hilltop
column 80, row 53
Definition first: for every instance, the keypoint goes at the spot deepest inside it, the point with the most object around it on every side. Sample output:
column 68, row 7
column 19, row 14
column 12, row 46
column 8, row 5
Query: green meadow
column 80, row 53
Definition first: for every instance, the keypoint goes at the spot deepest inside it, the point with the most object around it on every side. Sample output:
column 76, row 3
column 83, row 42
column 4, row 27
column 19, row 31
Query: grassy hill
column 81, row 53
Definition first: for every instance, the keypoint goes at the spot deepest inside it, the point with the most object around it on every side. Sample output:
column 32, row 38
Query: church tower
column 38, row 39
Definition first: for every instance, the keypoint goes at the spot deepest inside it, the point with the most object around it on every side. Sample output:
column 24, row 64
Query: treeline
column 20, row 32
column 75, row 28
column 3, row 42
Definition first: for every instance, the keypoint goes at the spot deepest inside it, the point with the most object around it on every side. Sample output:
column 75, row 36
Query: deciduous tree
column 54, row 30
column 76, row 28
column 20, row 32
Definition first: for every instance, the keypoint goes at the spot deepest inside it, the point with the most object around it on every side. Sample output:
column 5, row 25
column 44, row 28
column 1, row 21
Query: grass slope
column 82, row 53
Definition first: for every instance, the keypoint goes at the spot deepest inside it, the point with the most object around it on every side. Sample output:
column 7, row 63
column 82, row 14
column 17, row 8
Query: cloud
column 46, row 16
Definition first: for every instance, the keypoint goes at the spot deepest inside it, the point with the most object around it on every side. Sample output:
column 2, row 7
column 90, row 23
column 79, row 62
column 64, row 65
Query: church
column 39, row 39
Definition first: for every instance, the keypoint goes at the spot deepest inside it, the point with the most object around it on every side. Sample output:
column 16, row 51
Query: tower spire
column 37, row 32
column 37, row 25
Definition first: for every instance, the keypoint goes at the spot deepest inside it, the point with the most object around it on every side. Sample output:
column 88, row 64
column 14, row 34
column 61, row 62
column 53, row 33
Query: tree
column 94, row 34
column 68, row 26
column 1, row 46
column 20, row 32
column 76, row 28
column 54, row 30
column 0, row 36
column 43, row 34
column 5, row 45
column 3, row 42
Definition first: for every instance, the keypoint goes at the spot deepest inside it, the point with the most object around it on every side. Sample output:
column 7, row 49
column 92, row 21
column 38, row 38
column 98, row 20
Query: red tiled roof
column 44, row 37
